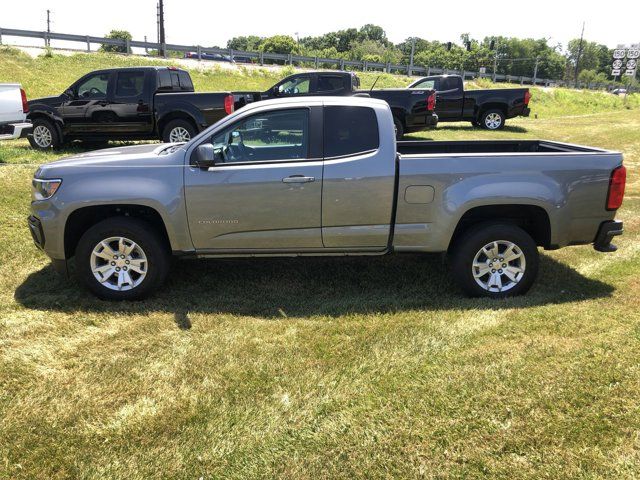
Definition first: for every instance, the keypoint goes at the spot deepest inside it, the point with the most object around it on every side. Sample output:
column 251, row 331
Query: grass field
column 324, row 368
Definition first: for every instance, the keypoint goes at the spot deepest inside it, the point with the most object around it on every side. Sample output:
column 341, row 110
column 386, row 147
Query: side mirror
column 69, row 93
column 276, row 90
column 206, row 156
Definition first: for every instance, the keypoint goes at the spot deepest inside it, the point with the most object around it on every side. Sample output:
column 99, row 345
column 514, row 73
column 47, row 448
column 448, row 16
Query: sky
column 209, row 23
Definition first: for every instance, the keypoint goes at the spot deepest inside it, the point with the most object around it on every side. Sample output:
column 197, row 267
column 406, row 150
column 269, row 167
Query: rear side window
column 174, row 80
column 129, row 84
column 328, row 83
column 185, row 81
column 349, row 130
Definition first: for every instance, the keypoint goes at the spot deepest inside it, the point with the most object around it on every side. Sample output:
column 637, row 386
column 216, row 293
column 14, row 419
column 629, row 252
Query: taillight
column 25, row 104
column 431, row 102
column 228, row 104
column 616, row 188
column 527, row 97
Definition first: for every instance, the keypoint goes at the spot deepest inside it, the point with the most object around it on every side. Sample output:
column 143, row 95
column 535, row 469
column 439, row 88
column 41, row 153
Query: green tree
column 594, row 56
column 249, row 43
column 280, row 44
column 119, row 34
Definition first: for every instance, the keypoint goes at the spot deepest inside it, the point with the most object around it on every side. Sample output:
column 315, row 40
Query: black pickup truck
column 484, row 108
column 138, row 103
column 413, row 110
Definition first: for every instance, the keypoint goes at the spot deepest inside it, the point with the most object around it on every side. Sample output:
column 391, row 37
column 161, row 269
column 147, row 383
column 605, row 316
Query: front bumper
column 606, row 232
column 35, row 227
column 15, row 130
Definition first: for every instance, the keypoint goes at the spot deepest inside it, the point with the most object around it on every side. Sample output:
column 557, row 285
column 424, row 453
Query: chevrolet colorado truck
column 136, row 103
column 413, row 109
column 13, row 112
column 488, row 108
column 323, row 176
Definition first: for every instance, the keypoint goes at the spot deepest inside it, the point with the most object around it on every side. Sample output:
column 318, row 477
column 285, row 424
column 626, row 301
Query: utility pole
column 535, row 71
column 161, row 50
column 578, row 57
column 413, row 50
column 48, row 27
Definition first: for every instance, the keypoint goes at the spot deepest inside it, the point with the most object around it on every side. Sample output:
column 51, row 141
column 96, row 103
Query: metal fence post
column 291, row 59
column 389, row 67
column 46, row 40
column 428, row 71
column 0, row 36
column 199, row 52
column 127, row 46
column 261, row 59
column 316, row 62
column 342, row 64
column 88, row 44
column 364, row 66
column 231, row 54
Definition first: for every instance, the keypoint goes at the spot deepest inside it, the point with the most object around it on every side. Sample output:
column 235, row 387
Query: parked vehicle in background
column 619, row 91
column 136, row 103
column 412, row 110
column 13, row 112
column 216, row 57
column 488, row 108
column 323, row 176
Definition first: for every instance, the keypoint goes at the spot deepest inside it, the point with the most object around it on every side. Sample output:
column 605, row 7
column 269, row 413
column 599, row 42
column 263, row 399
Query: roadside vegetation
column 322, row 368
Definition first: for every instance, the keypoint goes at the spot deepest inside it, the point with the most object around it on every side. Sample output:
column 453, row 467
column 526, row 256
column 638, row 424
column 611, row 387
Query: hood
column 147, row 155
column 55, row 100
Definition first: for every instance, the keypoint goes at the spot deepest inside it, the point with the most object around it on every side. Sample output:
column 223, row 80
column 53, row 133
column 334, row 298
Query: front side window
column 94, row 87
column 427, row 84
column 295, row 86
column 349, row 131
column 267, row 137
column 130, row 84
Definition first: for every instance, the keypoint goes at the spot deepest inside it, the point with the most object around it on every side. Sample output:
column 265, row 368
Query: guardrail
column 261, row 57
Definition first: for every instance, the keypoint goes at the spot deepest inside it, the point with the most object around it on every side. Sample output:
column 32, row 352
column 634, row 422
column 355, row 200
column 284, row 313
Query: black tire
column 399, row 128
column 138, row 231
column 488, row 119
column 178, row 124
column 43, row 129
column 472, row 242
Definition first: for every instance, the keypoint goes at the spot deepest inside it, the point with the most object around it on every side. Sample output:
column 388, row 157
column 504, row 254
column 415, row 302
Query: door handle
column 298, row 179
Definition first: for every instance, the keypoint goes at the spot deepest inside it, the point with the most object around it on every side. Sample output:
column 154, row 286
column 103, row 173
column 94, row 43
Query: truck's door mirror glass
column 206, row 156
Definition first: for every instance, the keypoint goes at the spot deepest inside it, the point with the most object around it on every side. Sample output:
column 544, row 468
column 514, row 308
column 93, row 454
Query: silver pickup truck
column 323, row 176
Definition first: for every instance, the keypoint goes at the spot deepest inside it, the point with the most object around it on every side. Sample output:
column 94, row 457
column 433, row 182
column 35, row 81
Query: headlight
column 45, row 188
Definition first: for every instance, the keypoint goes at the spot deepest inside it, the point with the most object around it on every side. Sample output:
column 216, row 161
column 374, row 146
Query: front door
column 264, row 193
column 88, row 104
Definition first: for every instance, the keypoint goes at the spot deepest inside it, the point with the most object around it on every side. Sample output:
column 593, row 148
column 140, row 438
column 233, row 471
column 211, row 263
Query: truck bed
column 439, row 182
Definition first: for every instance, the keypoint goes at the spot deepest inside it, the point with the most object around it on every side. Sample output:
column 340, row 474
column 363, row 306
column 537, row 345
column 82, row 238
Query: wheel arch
column 82, row 219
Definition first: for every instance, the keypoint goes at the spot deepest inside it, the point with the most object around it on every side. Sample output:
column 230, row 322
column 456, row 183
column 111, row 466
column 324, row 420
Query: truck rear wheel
column 492, row 119
column 122, row 259
column 495, row 260
column 178, row 131
column 44, row 135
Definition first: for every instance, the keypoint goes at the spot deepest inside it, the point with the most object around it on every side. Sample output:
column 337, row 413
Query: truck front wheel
column 44, row 135
column 121, row 258
column 495, row 260
column 178, row 131
column 492, row 119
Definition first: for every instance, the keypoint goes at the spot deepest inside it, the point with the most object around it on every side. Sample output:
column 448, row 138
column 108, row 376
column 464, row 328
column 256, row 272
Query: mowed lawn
column 326, row 368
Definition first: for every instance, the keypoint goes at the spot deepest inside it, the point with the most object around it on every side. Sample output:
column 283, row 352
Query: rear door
column 130, row 101
column 265, row 193
column 359, row 177
column 449, row 98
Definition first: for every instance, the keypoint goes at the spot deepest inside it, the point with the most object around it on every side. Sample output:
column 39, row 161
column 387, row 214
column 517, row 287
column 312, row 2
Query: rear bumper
column 606, row 232
column 526, row 111
column 15, row 130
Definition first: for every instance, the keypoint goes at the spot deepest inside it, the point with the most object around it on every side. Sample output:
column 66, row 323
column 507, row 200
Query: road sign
column 633, row 53
column 632, row 64
column 615, row 72
column 631, row 73
column 617, row 64
column 619, row 53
